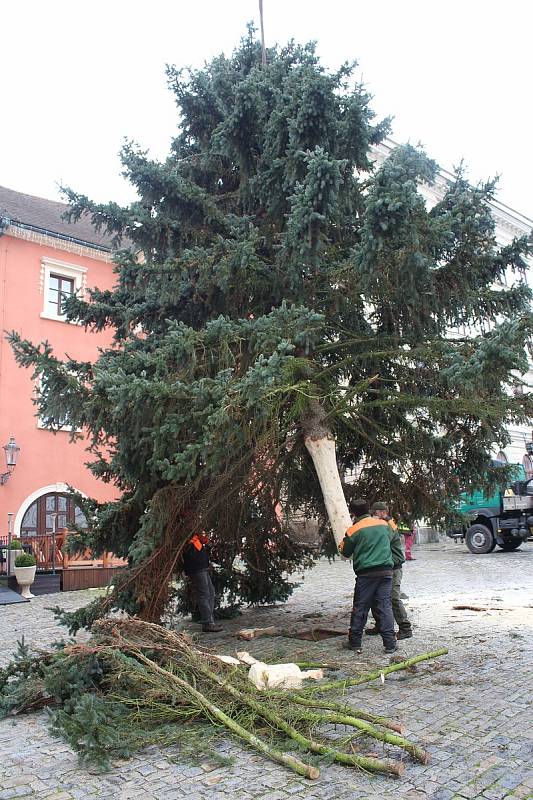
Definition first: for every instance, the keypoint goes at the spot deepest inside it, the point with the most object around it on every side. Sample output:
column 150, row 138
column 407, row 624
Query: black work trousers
column 372, row 591
column 398, row 609
column 204, row 594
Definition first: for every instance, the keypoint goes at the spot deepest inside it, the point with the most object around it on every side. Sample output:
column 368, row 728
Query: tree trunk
column 320, row 444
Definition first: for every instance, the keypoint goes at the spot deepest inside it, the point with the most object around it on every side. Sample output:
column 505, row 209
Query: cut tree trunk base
column 322, row 451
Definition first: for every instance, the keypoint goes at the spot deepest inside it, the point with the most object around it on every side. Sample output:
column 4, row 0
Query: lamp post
column 11, row 452
column 10, row 559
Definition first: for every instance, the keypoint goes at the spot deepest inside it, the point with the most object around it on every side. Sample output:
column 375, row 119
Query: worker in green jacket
column 381, row 511
column 367, row 541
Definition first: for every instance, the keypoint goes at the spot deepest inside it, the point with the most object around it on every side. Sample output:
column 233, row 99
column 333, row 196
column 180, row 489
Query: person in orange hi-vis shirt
column 196, row 568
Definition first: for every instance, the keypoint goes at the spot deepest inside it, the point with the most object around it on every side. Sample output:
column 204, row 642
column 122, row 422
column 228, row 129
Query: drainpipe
column 5, row 222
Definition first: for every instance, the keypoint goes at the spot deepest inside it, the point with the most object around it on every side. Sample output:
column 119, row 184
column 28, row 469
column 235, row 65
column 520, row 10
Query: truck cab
column 504, row 519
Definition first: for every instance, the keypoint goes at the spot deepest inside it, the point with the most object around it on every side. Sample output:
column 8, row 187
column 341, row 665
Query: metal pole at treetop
column 263, row 48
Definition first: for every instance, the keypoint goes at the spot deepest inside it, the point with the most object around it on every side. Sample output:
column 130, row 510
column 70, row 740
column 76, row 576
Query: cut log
column 255, row 633
column 306, row 634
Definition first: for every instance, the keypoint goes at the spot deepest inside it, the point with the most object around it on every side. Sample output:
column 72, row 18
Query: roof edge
column 8, row 222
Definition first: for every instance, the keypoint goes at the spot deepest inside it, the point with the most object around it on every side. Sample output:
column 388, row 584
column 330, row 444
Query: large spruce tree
column 276, row 296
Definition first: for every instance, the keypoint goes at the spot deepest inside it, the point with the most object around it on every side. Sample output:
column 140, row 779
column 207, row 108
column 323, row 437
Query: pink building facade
column 43, row 259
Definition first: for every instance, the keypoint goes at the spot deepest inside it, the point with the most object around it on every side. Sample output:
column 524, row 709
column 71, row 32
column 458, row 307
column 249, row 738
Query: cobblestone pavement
column 470, row 708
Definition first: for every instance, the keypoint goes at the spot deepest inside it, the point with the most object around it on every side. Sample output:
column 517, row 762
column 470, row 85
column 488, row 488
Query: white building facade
column 510, row 225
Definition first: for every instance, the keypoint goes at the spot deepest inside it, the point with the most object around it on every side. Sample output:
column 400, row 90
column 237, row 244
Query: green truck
column 504, row 519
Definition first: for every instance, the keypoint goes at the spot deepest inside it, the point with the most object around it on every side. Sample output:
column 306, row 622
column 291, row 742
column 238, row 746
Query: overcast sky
column 79, row 77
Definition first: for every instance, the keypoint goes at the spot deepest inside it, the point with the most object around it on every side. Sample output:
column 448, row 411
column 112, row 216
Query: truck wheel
column 479, row 539
column 508, row 546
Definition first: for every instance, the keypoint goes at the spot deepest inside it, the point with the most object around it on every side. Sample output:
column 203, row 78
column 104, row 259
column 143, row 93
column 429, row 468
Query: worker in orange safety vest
column 196, row 568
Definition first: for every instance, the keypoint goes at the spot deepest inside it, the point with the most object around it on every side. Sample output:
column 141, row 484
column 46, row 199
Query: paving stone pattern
column 470, row 709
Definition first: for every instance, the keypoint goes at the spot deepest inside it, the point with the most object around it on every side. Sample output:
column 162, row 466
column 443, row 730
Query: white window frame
column 44, row 427
column 76, row 273
column 41, row 425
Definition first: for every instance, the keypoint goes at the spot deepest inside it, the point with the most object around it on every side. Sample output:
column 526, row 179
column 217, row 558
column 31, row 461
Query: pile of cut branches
column 135, row 683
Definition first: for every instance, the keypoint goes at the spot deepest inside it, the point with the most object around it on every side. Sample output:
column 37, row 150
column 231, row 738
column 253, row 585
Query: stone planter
column 25, row 577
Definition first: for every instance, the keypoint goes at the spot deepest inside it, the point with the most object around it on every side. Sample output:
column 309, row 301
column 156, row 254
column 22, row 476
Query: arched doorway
column 49, row 513
column 32, row 521
column 41, row 522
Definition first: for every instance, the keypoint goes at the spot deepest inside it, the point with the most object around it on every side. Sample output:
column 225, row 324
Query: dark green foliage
column 25, row 560
column 135, row 683
column 70, row 682
column 93, row 727
column 30, row 682
column 20, row 667
column 268, row 272
column 21, row 658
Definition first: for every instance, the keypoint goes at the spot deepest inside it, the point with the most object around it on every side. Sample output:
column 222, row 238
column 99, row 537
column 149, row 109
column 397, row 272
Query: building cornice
column 509, row 223
column 58, row 243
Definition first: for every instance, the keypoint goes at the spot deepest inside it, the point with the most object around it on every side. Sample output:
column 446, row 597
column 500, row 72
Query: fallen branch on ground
column 135, row 683
column 371, row 676
column 354, row 712
column 479, row 608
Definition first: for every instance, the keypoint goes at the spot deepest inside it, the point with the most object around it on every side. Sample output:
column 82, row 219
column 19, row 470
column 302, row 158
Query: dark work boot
column 391, row 648
column 405, row 633
column 353, row 646
column 212, row 627
column 375, row 631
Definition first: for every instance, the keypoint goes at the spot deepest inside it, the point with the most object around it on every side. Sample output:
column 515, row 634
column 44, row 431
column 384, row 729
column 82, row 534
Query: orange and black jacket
column 368, row 541
column 195, row 556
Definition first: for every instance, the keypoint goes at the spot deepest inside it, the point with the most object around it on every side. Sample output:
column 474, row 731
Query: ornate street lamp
column 11, row 450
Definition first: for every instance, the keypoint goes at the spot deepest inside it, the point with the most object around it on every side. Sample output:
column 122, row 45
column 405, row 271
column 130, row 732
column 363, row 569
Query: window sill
column 62, row 429
column 64, row 320
column 45, row 315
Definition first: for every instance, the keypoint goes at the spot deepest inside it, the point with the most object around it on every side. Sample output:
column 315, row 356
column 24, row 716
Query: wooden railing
column 51, row 553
